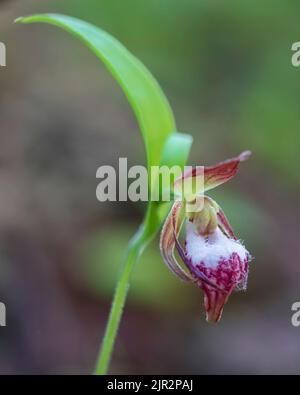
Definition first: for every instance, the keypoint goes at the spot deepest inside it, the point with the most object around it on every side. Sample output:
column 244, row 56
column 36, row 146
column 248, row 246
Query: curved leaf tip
column 150, row 105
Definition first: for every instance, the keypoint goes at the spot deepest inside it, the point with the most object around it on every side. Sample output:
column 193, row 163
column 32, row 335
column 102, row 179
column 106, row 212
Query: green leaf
column 148, row 102
column 144, row 94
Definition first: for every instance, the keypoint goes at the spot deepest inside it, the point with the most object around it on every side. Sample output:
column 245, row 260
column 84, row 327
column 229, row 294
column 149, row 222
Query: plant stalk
column 134, row 250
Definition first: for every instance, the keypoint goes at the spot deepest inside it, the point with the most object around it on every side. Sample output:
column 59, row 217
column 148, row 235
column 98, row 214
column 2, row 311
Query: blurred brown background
column 226, row 68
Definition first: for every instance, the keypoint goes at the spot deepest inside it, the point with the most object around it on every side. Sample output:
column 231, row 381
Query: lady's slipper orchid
column 213, row 256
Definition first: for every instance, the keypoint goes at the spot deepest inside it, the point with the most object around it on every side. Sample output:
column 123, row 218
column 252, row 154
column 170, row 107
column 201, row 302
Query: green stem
column 135, row 248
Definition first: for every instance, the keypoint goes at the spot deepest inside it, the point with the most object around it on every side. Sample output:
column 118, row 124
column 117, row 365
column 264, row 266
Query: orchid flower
column 214, row 258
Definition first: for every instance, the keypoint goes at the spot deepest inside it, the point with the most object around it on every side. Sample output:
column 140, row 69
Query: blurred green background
column 226, row 68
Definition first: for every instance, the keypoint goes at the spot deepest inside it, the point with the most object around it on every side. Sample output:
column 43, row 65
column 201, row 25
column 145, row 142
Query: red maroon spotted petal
column 168, row 239
column 218, row 174
column 224, row 263
column 224, row 171
column 224, row 224
column 229, row 275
